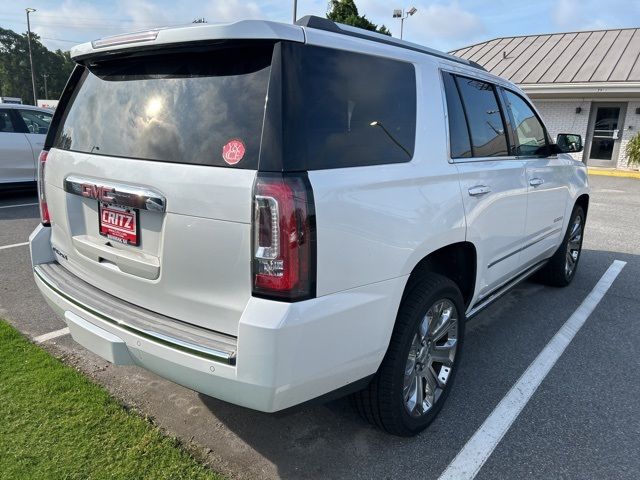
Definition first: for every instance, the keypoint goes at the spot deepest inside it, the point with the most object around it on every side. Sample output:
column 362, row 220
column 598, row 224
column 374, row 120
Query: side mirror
column 569, row 143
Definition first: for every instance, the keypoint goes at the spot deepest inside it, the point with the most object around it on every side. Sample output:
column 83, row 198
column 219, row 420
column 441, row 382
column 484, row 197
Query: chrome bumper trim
column 150, row 325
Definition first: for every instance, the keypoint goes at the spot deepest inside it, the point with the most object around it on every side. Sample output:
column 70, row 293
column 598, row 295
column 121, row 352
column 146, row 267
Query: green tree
column 345, row 11
column 15, row 74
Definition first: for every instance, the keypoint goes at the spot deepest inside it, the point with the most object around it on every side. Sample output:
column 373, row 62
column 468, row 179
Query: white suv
column 271, row 213
column 22, row 133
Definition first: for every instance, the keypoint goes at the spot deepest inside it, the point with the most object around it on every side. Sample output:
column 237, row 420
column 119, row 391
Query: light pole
column 295, row 10
column 33, row 73
column 401, row 14
column 46, row 93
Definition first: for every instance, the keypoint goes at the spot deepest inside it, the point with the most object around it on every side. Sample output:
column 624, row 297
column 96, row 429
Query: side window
column 486, row 125
column 6, row 124
column 458, row 130
column 347, row 109
column 37, row 122
column 529, row 132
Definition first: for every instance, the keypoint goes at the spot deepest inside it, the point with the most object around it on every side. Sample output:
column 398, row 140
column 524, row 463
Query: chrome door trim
column 479, row 190
column 122, row 194
column 527, row 245
column 500, row 291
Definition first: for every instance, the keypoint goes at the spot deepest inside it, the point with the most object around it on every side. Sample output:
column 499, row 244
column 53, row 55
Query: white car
column 271, row 214
column 23, row 129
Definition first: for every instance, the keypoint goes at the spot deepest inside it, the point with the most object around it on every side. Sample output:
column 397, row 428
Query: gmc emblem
column 124, row 195
column 98, row 192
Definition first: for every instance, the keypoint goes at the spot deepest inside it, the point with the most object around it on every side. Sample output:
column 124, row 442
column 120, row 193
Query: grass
column 56, row 424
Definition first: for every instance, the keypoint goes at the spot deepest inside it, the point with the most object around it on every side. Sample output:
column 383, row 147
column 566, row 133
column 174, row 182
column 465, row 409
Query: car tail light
column 284, row 237
column 44, row 209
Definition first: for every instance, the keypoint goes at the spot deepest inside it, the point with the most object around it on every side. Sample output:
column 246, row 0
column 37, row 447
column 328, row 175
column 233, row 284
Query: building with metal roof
column 581, row 82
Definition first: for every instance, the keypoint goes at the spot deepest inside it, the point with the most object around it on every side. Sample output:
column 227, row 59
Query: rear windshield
column 202, row 108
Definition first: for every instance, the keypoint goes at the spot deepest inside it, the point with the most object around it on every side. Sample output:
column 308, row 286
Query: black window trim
column 547, row 138
column 506, row 124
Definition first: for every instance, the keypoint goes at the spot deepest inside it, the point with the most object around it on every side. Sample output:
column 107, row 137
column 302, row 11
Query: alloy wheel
column 431, row 357
column 574, row 244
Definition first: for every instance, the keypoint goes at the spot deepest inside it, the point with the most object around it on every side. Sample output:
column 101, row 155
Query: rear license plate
column 119, row 224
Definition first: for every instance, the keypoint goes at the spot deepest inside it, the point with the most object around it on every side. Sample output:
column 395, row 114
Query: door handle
column 536, row 182
column 479, row 190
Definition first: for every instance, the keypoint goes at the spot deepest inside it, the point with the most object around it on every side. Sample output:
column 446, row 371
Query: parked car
column 23, row 129
column 271, row 214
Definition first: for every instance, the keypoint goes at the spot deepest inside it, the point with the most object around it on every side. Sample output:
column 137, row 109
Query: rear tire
column 561, row 268
column 418, row 370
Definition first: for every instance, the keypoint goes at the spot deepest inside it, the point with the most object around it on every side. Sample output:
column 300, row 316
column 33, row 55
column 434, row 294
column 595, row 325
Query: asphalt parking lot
column 582, row 422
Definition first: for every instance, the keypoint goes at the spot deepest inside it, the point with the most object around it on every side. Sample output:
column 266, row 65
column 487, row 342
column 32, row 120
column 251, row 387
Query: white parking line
column 14, row 245
column 20, row 205
column 480, row 446
column 51, row 335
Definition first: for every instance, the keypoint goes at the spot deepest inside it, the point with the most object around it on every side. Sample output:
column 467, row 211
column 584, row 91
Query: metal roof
column 575, row 57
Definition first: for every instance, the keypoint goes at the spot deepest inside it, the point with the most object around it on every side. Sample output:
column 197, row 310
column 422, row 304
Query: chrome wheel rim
column 431, row 357
column 573, row 246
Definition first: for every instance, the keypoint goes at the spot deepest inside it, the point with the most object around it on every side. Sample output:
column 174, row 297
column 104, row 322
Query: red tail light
column 44, row 210
column 284, row 242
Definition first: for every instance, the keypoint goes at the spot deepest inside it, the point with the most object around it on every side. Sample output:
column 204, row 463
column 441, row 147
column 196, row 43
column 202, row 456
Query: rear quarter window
column 182, row 108
column 484, row 117
column 346, row 109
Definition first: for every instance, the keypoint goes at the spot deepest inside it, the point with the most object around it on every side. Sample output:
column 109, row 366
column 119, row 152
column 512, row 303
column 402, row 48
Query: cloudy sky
column 441, row 24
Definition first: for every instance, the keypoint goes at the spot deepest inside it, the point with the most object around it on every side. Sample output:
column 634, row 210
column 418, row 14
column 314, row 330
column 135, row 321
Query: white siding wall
column 631, row 120
column 561, row 117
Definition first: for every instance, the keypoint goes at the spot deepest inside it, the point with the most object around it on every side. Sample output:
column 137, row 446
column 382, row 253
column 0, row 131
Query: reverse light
column 284, row 242
column 42, row 199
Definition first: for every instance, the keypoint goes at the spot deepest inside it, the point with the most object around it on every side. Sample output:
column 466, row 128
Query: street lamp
column 401, row 14
column 33, row 73
column 46, row 92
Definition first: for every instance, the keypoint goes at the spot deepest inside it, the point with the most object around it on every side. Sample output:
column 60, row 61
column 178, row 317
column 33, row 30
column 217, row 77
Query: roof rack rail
column 319, row 23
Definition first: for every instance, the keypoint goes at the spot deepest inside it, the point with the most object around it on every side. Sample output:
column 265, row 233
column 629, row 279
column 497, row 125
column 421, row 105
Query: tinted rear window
column 182, row 108
column 458, row 130
column 345, row 109
column 484, row 117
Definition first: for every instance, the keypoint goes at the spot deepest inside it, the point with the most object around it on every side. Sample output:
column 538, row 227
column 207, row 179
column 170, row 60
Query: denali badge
column 59, row 253
column 142, row 198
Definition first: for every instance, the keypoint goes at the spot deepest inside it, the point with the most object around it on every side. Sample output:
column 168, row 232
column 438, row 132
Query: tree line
column 346, row 11
column 15, row 73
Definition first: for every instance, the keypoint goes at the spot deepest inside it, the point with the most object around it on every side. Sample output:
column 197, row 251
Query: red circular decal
column 233, row 151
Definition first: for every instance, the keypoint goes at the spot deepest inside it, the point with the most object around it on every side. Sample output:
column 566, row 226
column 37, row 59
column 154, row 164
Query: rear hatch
column 150, row 173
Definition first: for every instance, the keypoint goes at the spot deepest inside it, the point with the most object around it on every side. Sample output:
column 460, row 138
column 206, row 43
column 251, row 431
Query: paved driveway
column 582, row 422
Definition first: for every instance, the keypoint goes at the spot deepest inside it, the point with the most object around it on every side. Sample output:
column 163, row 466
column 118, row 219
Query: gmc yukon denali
column 271, row 214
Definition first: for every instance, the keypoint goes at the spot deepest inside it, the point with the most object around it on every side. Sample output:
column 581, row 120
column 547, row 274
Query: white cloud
column 449, row 21
column 439, row 25
column 445, row 24
column 83, row 21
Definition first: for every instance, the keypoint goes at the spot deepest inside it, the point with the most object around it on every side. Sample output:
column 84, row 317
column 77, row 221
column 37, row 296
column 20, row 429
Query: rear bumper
column 284, row 354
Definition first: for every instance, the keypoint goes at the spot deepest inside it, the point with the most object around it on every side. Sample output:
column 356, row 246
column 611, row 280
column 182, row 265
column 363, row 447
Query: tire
column 561, row 268
column 387, row 402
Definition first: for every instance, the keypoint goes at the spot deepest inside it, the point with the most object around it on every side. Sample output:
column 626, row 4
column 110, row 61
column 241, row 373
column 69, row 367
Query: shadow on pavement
column 331, row 441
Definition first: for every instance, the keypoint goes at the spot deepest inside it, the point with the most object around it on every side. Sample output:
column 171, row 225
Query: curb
column 614, row 173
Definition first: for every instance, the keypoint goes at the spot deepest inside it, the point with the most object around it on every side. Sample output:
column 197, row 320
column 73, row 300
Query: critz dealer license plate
column 119, row 224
